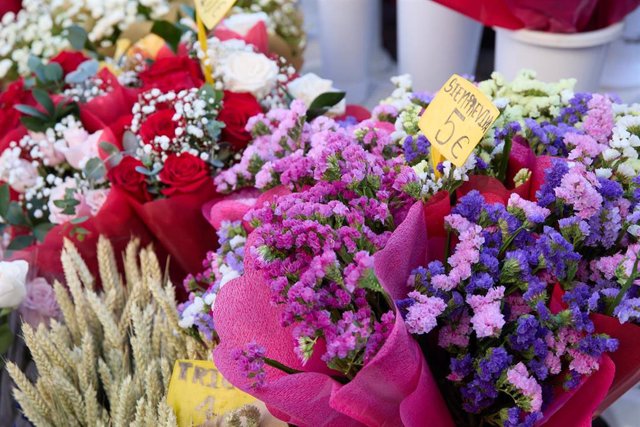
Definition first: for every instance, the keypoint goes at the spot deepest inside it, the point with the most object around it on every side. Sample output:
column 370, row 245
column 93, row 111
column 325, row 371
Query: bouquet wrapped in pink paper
column 369, row 259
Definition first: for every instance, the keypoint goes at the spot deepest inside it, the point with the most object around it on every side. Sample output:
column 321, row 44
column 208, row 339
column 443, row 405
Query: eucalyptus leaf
column 109, row 148
column 95, row 170
column 34, row 63
column 84, row 72
column 53, row 72
column 77, row 36
column 129, row 142
column 144, row 171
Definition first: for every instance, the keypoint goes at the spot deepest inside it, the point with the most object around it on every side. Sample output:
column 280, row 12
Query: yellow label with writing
column 198, row 393
column 457, row 119
column 212, row 11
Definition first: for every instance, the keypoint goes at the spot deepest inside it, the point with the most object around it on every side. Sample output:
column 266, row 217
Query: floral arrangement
column 373, row 265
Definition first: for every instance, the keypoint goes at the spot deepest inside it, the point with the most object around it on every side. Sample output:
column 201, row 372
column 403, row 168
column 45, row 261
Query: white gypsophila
column 39, row 28
column 309, row 86
column 188, row 316
column 626, row 132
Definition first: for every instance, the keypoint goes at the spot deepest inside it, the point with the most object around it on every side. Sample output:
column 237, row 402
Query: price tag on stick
column 457, row 119
column 212, row 11
column 198, row 393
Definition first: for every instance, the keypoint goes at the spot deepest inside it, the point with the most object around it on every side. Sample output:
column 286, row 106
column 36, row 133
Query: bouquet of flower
column 502, row 274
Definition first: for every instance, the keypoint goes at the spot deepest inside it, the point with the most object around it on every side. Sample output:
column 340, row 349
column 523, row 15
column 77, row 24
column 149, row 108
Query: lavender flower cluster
column 315, row 247
column 222, row 266
column 489, row 303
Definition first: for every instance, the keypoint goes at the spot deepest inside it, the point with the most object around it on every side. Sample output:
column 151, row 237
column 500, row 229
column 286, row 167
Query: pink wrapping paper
column 394, row 388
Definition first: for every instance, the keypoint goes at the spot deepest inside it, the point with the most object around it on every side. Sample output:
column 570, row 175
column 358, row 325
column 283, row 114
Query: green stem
column 625, row 287
column 510, row 240
column 284, row 368
column 502, row 176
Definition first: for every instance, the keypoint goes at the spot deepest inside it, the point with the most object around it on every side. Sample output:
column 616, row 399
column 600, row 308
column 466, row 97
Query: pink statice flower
column 487, row 319
column 521, row 380
column 423, row 314
column 579, row 188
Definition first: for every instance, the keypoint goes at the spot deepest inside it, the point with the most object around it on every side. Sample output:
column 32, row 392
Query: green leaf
column 53, row 72
column 169, row 32
column 95, row 170
column 79, row 220
column 129, row 142
column 21, row 242
column 77, row 36
column 109, row 148
column 144, row 171
column 44, row 99
column 34, row 63
column 15, row 215
column 40, row 231
column 31, row 111
column 85, row 71
column 6, row 337
column 326, row 100
column 34, row 123
column 5, row 199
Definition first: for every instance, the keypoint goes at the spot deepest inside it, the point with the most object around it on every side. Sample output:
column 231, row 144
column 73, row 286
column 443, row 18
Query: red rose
column 236, row 110
column 176, row 73
column 69, row 61
column 13, row 95
column 10, row 6
column 127, row 178
column 158, row 124
column 183, row 173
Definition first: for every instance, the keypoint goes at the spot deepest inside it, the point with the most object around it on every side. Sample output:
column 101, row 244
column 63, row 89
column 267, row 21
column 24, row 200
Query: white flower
column 308, row 87
column 249, row 72
column 243, row 22
column 13, row 278
column 228, row 274
column 5, row 66
column 19, row 173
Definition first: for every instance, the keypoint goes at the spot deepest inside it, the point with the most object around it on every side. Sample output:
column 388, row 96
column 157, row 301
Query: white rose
column 243, row 22
column 308, row 87
column 249, row 72
column 13, row 279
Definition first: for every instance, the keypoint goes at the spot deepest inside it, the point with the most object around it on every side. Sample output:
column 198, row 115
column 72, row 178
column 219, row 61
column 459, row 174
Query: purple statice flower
column 470, row 206
column 487, row 319
column 579, row 189
column 598, row 122
column 416, row 148
column 529, row 210
column 559, row 255
column 578, row 106
column 460, row 367
column 526, row 386
column 251, row 364
column 553, row 177
column 422, row 315
column 380, row 334
column 422, row 98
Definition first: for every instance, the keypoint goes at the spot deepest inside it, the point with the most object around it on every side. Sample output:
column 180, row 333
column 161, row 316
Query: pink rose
column 56, row 216
column 95, row 199
column 39, row 306
column 81, row 146
column 19, row 173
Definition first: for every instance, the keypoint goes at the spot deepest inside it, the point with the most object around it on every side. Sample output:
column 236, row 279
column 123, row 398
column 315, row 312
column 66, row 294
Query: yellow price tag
column 457, row 119
column 212, row 11
column 198, row 393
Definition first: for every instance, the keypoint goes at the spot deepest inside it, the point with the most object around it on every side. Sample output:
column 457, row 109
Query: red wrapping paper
column 178, row 225
column 567, row 16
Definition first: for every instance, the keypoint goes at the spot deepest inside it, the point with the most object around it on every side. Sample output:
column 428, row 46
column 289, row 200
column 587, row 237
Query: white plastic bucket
column 435, row 42
column 622, row 66
column 347, row 45
column 555, row 56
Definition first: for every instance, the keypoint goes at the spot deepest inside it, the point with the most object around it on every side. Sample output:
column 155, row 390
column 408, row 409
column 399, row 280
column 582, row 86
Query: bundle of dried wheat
column 109, row 362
